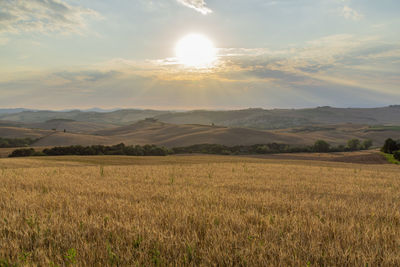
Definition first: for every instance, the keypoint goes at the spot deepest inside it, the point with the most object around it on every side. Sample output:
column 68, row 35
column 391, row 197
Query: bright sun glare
column 196, row 50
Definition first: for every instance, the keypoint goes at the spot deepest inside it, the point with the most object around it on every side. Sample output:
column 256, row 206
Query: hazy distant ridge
column 251, row 118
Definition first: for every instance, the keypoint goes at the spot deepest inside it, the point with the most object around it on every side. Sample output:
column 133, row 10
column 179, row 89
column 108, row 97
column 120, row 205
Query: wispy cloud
column 17, row 16
column 344, row 70
column 350, row 13
column 198, row 5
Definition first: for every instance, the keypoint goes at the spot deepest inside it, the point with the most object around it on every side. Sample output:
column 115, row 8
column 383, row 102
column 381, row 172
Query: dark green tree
column 396, row 155
column 22, row 153
column 390, row 146
column 321, row 146
column 367, row 144
column 353, row 144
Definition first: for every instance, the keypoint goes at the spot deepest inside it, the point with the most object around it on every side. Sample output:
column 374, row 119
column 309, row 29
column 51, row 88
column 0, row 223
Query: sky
column 62, row 54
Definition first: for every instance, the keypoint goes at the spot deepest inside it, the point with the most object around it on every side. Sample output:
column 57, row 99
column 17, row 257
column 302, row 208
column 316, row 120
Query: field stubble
column 198, row 211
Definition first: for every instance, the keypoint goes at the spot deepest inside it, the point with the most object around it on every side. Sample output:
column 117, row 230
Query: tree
column 396, row 155
column 390, row 146
column 22, row 153
column 353, row 144
column 321, row 146
column 367, row 144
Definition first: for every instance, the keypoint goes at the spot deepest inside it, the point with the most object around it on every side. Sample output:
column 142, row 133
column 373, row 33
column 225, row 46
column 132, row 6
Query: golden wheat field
column 197, row 211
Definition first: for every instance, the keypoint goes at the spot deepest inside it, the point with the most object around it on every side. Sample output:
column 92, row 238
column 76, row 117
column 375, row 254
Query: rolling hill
column 176, row 135
column 170, row 135
column 71, row 126
column 249, row 118
column 119, row 117
column 288, row 118
column 18, row 132
column 171, row 129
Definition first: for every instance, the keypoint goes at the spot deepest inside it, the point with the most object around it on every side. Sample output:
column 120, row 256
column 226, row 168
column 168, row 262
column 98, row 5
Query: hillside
column 18, row 132
column 175, row 135
column 236, row 127
column 183, row 135
column 68, row 139
column 71, row 126
column 119, row 117
column 288, row 118
column 169, row 135
column 12, row 110
column 249, row 118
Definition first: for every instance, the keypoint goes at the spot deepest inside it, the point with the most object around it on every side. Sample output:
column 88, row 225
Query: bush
column 396, row 155
column 28, row 152
column 367, row 144
column 353, row 144
column 321, row 146
column 120, row 149
column 390, row 146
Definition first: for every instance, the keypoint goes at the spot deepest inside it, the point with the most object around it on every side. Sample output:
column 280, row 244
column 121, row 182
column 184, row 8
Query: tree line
column 320, row 146
column 392, row 147
column 120, row 149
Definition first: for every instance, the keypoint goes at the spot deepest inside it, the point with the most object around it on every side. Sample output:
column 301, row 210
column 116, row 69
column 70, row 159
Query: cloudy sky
column 60, row 54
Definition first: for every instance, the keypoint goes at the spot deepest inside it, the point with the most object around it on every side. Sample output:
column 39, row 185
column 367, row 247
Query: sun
column 196, row 50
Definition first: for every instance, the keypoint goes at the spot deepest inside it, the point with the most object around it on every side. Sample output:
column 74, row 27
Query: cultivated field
column 197, row 211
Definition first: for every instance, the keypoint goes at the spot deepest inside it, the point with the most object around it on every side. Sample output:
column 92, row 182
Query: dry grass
column 197, row 211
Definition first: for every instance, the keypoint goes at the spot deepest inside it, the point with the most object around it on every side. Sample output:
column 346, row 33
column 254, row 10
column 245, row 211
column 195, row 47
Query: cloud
column 86, row 75
column 350, row 13
column 337, row 70
column 198, row 5
column 44, row 16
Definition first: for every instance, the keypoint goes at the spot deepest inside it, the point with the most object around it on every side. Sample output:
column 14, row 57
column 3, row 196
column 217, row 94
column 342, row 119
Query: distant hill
column 148, row 132
column 155, row 132
column 68, row 139
column 288, row 118
column 71, row 126
column 119, row 117
column 237, row 127
column 12, row 110
column 176, row 135
column 10, row 124
column 18, row 132
column 249, row 118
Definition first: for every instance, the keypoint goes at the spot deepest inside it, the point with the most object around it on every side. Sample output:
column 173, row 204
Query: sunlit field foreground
column 199, row 210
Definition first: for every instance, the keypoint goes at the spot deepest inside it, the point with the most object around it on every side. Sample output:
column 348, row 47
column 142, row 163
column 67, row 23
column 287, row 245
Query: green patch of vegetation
column 320, row 146
column 312, row 129
column 380, row 128
column 16, row 142
column 390, row 158
column 6, row 263
column 120, row 149
column 70, row 256
column 391, row 150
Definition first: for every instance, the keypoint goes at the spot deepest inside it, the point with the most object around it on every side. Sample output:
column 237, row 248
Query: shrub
column 27, row 152
column 390, row 146
column 396, row 155
column 353, row 144
column 367, row 144
column 120, row 149
column 321, row 146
